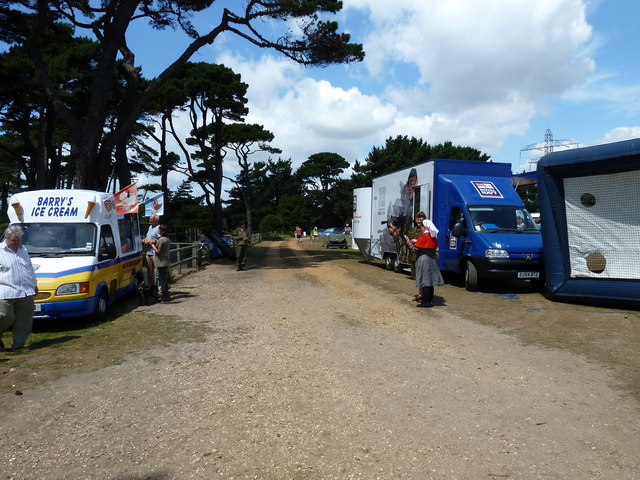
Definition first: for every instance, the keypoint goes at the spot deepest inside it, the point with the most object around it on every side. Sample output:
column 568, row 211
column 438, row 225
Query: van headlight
column 496, row 253
column 73, row 288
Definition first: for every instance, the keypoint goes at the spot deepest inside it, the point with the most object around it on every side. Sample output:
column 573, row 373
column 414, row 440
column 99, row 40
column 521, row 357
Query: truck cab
column 487, row 234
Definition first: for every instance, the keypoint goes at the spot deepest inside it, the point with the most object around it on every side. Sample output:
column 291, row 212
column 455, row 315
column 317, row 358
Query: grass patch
column 61, row 349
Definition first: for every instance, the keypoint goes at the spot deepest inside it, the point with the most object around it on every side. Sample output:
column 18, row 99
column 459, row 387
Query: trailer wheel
column 470, row 277
column 388, row 262
column 397, row 266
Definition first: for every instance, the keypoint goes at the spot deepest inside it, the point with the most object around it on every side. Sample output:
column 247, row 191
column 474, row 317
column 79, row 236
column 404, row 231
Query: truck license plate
column 528, row 274
column 36, row 307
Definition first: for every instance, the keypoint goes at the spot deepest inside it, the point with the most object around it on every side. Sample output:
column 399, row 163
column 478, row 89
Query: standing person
column 538, row 221
column 162, row 262
column 150, row 239
column 314, row 234
column 414, row 234
column 18, row 287
column 242, row 241
column 427, row 272
column 298, row 234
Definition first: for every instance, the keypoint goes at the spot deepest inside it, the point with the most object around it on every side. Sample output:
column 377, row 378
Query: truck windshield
column 59, row 239
column 501, row 218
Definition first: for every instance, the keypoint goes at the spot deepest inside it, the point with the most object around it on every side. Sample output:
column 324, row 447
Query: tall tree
column 307, row 39
column 321, row 170
column 246, row 140
column 271, row 181
column 319, row 174
column 212, row 95
column 27, row 112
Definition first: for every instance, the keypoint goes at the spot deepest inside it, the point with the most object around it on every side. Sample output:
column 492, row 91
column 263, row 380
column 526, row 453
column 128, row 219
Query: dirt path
column 308, row 374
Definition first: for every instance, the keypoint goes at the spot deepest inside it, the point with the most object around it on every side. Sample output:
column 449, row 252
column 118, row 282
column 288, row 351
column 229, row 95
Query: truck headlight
column 496, row 253
column 72, row 288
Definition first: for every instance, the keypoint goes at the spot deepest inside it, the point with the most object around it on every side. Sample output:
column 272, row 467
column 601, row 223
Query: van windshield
column 58, row 239
column 501, row 219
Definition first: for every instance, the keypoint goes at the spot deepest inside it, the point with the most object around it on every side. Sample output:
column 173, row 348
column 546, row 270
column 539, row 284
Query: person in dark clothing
column 242, row 240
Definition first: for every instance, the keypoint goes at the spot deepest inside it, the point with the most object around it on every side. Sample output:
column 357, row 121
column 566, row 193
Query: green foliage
column 188, row 211
column 529, row 196
column 294, row 210
column 115, row 94
column 322, row 168
column 271, row 223
column 270, row 181
column 342, row 203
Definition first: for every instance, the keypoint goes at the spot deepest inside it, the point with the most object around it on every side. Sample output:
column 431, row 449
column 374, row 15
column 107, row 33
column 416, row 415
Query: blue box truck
column 485, row 232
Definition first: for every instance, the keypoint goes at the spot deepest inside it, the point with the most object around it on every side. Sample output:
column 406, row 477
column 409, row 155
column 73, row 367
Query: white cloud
column 621, row 133
column 461, row 70
column 617, row 98
column 306, row 115
column 469, row 51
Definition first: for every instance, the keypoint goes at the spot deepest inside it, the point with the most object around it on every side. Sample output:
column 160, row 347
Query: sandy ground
column 308, row 374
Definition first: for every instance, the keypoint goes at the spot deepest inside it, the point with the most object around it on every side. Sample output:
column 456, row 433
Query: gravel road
column 308, row 374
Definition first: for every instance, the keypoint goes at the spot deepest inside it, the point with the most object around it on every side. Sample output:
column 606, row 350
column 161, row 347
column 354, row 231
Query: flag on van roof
column 127, row 200
column 154, row 205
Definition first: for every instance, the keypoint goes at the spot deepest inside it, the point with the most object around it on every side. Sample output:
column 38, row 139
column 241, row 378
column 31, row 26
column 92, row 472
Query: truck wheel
column 471, row 277
column 388, row 262
column 101, row 307
column 537, row 284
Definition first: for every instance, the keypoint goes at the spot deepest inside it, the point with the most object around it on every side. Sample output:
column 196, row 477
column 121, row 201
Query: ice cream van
column 84, row 255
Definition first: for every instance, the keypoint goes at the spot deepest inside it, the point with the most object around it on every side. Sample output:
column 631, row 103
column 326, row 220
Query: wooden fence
column 185, row 256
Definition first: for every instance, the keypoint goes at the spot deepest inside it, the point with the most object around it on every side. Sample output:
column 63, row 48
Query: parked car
column 331, row 230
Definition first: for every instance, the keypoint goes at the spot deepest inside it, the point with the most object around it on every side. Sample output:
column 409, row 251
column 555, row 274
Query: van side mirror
column 459, row 230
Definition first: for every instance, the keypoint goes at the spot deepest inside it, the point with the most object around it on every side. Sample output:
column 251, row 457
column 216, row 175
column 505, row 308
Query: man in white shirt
column 152, row 234
column 18, row 287
column 152, row 237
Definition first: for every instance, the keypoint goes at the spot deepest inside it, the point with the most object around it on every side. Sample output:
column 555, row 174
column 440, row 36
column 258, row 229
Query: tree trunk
column 164, row 166
column 247, row 209
column 123, row 172
column 218, row 221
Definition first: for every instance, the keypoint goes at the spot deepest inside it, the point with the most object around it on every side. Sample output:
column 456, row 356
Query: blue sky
column 492, row 74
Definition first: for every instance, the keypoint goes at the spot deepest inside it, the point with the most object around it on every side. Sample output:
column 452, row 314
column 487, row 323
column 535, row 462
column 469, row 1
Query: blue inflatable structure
column 590, row 208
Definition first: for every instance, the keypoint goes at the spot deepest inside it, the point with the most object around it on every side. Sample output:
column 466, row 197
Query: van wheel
column 470, row 277
column 388, row 262
column 101, row 307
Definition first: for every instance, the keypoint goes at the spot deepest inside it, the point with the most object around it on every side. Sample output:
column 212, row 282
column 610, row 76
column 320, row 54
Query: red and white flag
column 127, row 200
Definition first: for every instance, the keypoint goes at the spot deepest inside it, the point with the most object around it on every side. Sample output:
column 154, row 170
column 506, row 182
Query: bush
column 271, row 223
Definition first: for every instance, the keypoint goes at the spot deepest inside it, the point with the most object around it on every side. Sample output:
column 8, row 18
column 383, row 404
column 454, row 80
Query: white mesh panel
column 603, row 225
